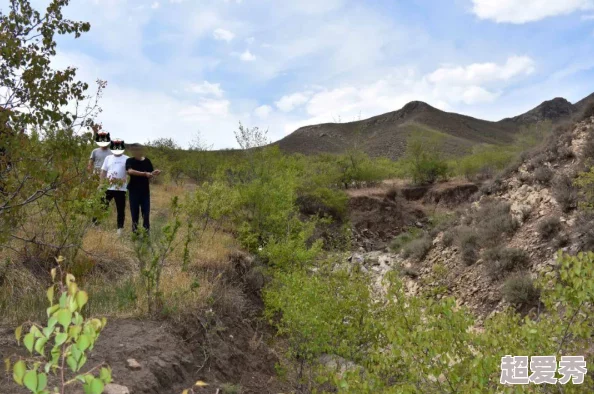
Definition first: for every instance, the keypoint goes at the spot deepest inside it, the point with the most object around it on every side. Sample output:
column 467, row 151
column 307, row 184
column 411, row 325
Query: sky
column 178, row 68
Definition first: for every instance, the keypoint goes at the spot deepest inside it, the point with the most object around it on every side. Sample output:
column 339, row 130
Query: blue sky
column 178, row 67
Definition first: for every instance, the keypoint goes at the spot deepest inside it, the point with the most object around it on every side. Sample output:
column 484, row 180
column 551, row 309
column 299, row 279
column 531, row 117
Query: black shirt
column 139, row 184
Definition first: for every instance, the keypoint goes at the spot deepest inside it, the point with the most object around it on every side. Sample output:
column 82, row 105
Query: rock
column 133, row 364
column 116, row 389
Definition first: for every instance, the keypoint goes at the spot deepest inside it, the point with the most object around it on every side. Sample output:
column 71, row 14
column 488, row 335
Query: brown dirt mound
column 377, row 220
column 168, row 363
column 450, row 195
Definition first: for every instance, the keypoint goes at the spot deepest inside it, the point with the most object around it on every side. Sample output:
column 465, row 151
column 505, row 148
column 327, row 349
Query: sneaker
column 119, row 231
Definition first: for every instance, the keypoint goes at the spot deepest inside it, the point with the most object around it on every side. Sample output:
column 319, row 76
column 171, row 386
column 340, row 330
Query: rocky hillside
column 386, row 135
column 507, row 232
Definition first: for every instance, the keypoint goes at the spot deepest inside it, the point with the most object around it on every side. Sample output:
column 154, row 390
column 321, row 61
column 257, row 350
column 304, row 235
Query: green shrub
column 402, row 239
column 549, row 227
column 484, row 162
column 423, row 160
column 520, row 290
column 499, row 260
column 418, row 248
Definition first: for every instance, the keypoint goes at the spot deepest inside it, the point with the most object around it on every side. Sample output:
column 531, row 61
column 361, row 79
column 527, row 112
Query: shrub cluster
column 499, row 260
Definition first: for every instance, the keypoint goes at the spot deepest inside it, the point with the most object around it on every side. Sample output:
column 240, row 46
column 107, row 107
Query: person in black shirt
column 141, row 171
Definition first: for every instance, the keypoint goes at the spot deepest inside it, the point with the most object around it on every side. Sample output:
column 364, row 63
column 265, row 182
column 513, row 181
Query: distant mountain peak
column 415, row 106
column 554, row 109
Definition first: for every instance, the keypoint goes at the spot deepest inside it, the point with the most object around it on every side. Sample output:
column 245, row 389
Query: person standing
column 99, row 154
column 114, row 171
column 141, row 171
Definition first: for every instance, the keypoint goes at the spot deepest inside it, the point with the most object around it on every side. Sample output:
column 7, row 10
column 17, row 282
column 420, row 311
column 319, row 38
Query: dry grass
column 107, row 268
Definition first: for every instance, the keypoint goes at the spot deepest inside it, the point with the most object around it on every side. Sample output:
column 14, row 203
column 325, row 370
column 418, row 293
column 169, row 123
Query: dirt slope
column 532, row 201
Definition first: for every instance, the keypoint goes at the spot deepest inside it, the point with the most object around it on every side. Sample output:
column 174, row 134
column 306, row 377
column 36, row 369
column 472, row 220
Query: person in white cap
column 114, row 171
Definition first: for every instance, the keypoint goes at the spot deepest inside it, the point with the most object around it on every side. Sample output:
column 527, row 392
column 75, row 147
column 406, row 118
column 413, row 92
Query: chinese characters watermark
column 516, row 370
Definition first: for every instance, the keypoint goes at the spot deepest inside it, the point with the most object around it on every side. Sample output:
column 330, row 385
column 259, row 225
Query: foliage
column 69, row 335
column 418, row 248
column 152, row 254
column 415, row 344
column 519, row 289
column 565, row 192
column 402, row 239
column 484, row 162
column 249, row 138
column 43, row 150
column 543, row 175
column 423, row 160
column 499, row 260
column 585, row 183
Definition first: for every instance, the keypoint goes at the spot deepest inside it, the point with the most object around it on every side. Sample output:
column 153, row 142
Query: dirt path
column 168, row 363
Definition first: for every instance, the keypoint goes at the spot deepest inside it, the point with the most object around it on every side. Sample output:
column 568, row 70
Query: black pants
column 120, row 200
column 140, row 201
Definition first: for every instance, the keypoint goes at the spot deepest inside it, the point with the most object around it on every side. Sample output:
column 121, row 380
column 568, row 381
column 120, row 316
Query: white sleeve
column 105, row 165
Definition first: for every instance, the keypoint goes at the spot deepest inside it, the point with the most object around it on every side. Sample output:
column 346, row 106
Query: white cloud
column 290, row 102
column 263, row 111
column 247, row 56
column 522, row 11
column 588, row 17
column 206, row 89
column 223, row 35
column 478, row 73
column 155, row 5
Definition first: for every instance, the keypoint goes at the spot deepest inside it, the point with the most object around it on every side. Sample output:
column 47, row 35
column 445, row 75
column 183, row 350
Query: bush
column 520, row 290
column 404, row 238
column 493, row 221
column 418, row 248
column 565, row 192
column 549, row 227
column 584, row 228
column 424, row 162
column 543, row 175
column 499, row 260
column 468, row 241
column 447, row 238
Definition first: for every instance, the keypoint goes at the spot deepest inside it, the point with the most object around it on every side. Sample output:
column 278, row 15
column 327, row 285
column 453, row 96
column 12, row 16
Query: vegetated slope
column 386, row 135
column 509, row 235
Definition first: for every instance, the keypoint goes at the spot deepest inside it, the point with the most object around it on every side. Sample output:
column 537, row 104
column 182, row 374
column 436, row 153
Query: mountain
column 386, row 135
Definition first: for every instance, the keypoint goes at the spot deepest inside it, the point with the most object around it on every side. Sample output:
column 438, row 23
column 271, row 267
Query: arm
column 139, row 173
column 90, row 165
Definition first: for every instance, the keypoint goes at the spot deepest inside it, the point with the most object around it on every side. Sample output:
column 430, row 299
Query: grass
column 107, row 269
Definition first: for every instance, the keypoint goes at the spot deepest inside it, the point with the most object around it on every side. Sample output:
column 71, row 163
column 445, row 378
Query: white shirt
column 115, row 166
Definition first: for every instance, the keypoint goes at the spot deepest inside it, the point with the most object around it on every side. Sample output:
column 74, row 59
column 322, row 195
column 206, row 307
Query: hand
column 156, row 172
column 148, row 175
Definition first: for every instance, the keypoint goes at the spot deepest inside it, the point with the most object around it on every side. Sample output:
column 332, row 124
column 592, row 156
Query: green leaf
column 105, row 375
column 81, row 299
column 71, row 363
column 40, row 345
column 41, row 381
column 18, row 372
column 29, row 341
column 83, row 342
column 18, row 334
column 50, row 295
column 51, row 310
column 61, row 337
column 64, row 317
column 30, row 380
column 97, row 386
